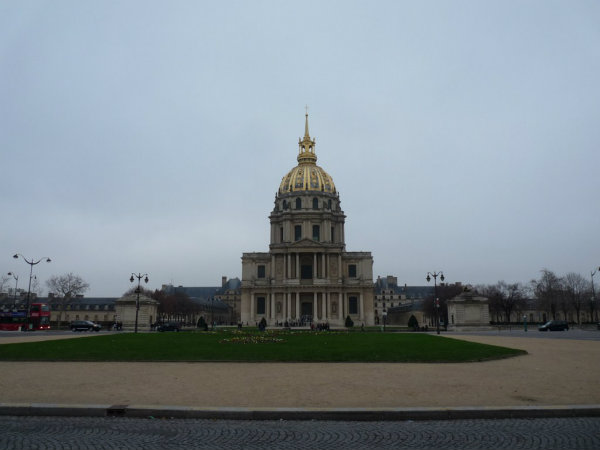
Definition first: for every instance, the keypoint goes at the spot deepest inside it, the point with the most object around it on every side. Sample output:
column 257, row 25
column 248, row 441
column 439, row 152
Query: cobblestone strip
column 50, row 433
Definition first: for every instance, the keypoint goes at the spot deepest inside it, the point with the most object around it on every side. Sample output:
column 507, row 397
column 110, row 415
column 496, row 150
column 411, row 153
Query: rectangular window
column 332, row 235
column 306, row 272
column 352, row 270
column 316, row 232
column 261, row 271
column 297, row 232
column 260, row 305
column 353, row 305
column 281, row 234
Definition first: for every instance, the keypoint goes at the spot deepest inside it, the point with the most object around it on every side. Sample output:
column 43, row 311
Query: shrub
column 202, row 323
column 349, row 323
column 413, row 322
column 262, row 324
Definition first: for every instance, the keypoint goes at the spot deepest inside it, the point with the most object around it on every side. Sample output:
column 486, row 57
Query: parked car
column 85, row 325
column 554, row 325
column 168, row 326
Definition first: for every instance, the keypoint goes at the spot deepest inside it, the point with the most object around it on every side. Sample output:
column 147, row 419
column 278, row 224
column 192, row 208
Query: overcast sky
column 151, row 137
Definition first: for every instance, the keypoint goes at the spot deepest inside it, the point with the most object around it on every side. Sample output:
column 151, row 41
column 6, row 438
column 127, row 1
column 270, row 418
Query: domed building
column 307, row 276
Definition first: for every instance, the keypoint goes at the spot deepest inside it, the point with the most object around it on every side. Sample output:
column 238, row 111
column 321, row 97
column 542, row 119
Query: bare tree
column 548, row 290
column 445, row 292
column 36, row 289
column 577, row 289
column 494, row 298
column 66, row 287
column 506, row 299
column 514, row 298
column 4, row 279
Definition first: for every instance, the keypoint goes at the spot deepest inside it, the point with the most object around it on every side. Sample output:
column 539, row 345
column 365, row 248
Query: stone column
column 315, row 268
column 272, row 269
column 362, row 308
column 272, row 294
column 315, row 307
column 297, row 305
column 323, row 306
column 252, row 308
column 323, row 266
column 287, row 306
column 340, row 270
column 288, row 260
column 297, row 265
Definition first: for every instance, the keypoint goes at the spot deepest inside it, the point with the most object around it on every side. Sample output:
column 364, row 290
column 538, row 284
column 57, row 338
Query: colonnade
column 293, row 272
column 291, row 304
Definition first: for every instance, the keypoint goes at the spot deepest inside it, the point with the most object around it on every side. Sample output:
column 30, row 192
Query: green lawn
column 334, row 346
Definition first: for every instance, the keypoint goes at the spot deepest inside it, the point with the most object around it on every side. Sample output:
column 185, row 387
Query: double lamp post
column 139, row 277
column 436, row 300
column 31, row 263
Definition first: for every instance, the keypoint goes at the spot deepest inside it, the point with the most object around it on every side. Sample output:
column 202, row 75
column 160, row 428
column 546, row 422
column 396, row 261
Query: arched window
column 298, row 203
column 285, row 205
column 315, row 203
column 329, row 204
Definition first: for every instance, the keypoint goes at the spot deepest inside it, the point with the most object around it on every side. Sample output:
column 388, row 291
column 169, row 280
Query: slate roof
column 200, row 295
column 410, row 291
column 83, row 302
column 233, row 284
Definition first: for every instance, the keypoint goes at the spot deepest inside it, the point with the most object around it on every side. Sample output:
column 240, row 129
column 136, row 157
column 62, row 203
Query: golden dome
column 307, row 176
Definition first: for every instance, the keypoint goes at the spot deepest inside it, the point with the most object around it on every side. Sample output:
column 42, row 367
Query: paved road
column 573, row 333
column 125, row 433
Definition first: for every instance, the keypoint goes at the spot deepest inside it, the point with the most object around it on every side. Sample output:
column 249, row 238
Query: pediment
column 306, row 243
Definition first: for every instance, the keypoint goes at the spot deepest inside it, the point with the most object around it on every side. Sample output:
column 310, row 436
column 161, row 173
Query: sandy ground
column 554, row 372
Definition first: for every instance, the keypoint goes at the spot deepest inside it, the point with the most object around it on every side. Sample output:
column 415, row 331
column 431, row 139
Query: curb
column 339, row 414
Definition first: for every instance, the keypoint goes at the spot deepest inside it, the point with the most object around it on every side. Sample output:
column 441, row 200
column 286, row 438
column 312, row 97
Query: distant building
column 468, row 311
column 96, row 309
column 406, row 300
column 221, row 304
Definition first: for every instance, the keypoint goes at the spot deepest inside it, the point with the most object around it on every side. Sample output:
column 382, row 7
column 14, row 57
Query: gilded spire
column 307, row 145
column 306, row 135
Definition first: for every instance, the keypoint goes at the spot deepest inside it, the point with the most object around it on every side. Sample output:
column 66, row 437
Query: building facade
column 409, row 299
column 307, row 276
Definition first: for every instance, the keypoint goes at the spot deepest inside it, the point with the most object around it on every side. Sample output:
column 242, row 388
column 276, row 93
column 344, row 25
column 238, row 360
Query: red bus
column 39, row 318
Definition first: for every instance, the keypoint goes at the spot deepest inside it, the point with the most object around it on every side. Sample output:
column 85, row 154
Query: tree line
column 568, row 296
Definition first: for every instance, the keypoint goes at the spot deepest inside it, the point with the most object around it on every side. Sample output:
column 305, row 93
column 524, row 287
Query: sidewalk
column 554, row 376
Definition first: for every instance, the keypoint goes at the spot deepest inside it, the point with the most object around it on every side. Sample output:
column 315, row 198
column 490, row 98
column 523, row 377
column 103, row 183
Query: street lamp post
column 435, row 299
column 31, row 263
column 16, row 277
column 212, row 313
column 139, row 277
column 593, row 300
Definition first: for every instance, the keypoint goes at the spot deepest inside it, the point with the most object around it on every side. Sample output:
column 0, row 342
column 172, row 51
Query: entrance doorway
column 306, row 309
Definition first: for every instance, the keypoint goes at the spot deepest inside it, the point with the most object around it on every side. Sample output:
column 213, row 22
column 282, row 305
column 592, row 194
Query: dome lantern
column 307, row 176
column 307, row 147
